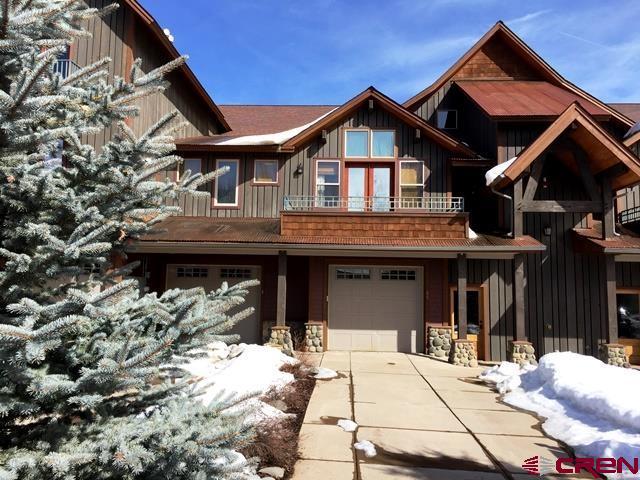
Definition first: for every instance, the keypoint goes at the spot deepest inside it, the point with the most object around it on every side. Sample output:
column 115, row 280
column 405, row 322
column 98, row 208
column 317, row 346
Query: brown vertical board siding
column 628, row 275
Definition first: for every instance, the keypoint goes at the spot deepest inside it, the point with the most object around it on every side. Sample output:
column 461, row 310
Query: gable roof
column 604, row 151
column 157, row 32
column 546, row 72
column 631, row 110
column 263, row 119
column 390, row 105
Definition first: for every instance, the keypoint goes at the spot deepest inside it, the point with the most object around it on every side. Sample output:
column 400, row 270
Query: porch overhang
column 590, row 241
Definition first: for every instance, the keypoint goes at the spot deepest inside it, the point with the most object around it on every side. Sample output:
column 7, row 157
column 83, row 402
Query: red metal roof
column 266, row 231
column 631, row 110
column 515, row 98
column 263, row 119
column 591, row 240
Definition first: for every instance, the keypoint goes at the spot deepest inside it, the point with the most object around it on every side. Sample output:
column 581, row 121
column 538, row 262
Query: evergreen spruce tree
column 85, row 357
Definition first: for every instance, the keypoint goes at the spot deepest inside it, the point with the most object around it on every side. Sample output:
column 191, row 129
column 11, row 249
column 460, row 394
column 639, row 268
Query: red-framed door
column 369, row 186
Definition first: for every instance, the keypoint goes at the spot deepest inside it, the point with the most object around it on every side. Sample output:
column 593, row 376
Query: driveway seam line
column 354, row 435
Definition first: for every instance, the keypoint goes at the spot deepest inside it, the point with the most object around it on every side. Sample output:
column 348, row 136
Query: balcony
column 434, row 217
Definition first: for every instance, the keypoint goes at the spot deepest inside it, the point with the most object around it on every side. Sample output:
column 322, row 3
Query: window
column 194, row 165
column 192, row 272
column 383, row 143
column 397, row 274
column 328, row 183
column 356, row 143
column 353, row 273
column 447, row 119
column 265, row 171
column 226, row 189
column 244, row 273
column 628, row 306
column 411, row 183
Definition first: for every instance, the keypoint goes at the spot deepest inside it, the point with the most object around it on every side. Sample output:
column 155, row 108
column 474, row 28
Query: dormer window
column 447, row 119
column 364, row 143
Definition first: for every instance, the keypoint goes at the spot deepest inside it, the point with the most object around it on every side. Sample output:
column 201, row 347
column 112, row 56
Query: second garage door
column 375, row 308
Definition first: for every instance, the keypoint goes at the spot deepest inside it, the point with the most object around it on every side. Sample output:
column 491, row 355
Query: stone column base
column 313, row 333
column 522, row 353
column 439, row 342
column 280, row 337
column 463, row 353
column 613, row 354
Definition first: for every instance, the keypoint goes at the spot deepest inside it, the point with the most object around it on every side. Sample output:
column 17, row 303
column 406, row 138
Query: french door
column 369, row 187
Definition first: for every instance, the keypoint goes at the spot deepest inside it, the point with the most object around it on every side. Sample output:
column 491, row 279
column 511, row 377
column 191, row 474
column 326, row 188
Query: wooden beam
column 534, row 178
column 612, row 314
column 588, row 179
column 518, row 296
column 281, row 312
column 561, row 206
column 518, row 217
column 608, row 210
column 614, row 171
column 462, row 296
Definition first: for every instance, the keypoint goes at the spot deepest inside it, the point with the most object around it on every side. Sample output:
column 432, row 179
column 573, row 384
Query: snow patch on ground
column 241, row 370
column 498, row 170
column 322, row 373
column 368, row 448
column 591, row 406
column 347, row 425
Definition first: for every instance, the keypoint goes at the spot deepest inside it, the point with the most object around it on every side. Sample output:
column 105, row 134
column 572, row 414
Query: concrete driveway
column 427, row 419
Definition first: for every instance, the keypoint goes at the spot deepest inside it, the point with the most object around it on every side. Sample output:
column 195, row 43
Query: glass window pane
column 412, row 192
column 266, row 171
column 357, row 143
column 383, row 143
column 447, row 119
column 226, row 184
column 628, row 315
column 411, row 173
column 193, row 164
column 328, row 172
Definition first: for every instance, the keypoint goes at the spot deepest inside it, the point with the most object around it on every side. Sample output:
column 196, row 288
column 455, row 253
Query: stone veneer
column 463, row 353
column 522, row 353
column 439, row 342
column 613, row 354
column 313, row 333
column 281, row 338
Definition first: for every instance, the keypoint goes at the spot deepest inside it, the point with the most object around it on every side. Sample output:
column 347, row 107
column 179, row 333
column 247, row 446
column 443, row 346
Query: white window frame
column 332, row 183
column 369, row 137
column 400, row 184
column 447, row 110
column 371, row 132
column 255, row 164
column 215, row 193
column 181, row 168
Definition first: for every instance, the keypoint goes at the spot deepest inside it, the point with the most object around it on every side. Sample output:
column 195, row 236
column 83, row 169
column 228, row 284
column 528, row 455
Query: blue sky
column 326, row 51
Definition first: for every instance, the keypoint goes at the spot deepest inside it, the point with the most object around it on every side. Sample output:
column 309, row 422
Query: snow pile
column 271, row 138
column 322, row 373
column 591, row 406
column 241, row 370
column 347, row 425
column 368, row 448
column 497, row 171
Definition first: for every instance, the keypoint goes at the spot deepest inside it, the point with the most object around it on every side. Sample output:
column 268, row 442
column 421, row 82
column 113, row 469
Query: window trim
column 215, row 189
column 446, row 110
column 271, row 160
column 365, row 130
column 371, row 132
column 315, row 178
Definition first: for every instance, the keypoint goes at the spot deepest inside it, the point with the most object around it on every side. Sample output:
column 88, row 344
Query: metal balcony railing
column 65, row 67
column 430, row 204
column 630, row 215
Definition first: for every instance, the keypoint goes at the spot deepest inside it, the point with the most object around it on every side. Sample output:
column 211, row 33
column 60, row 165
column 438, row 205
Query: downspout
column 510, row 200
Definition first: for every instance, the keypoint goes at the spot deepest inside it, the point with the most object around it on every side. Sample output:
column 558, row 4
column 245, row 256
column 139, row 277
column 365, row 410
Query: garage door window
column 398, row 274
column 244, row 273
column 353, row 274
column 192, row 272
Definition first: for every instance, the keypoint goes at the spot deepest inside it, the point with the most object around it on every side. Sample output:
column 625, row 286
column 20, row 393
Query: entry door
column 476, row 331
column 369, row 187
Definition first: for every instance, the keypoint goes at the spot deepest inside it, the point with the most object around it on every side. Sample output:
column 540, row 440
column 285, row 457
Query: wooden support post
column 517, row 209
column 608, row 212
column 281, row 314
column 462, row 296
column 612, row 314
column 518, row 296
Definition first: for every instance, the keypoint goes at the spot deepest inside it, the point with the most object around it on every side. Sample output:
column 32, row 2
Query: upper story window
column 411, row 179
column 447, row 119
column 194, row 165
column 369, row 143
column 328, row 181
column 226, row 187
column 265, row 171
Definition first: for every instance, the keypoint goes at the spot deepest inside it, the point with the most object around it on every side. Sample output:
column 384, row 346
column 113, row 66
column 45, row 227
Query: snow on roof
column 277, row 138
column 633, row 130
column 496, row 172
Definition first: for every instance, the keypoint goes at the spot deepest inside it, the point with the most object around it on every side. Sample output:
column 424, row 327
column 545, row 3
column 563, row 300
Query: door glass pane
column 383, row 143
column 381, row 189
column 356, row 189
column 357, row 142
column 628, row 315
column 473, row 312
column 227, row 183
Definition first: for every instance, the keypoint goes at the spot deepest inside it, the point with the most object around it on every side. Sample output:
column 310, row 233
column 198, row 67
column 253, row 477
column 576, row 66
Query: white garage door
column 375, row 308
column 211, row 277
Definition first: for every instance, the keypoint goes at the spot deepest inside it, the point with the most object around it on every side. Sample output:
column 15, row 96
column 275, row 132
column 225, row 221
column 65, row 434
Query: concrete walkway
column 427, row 419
